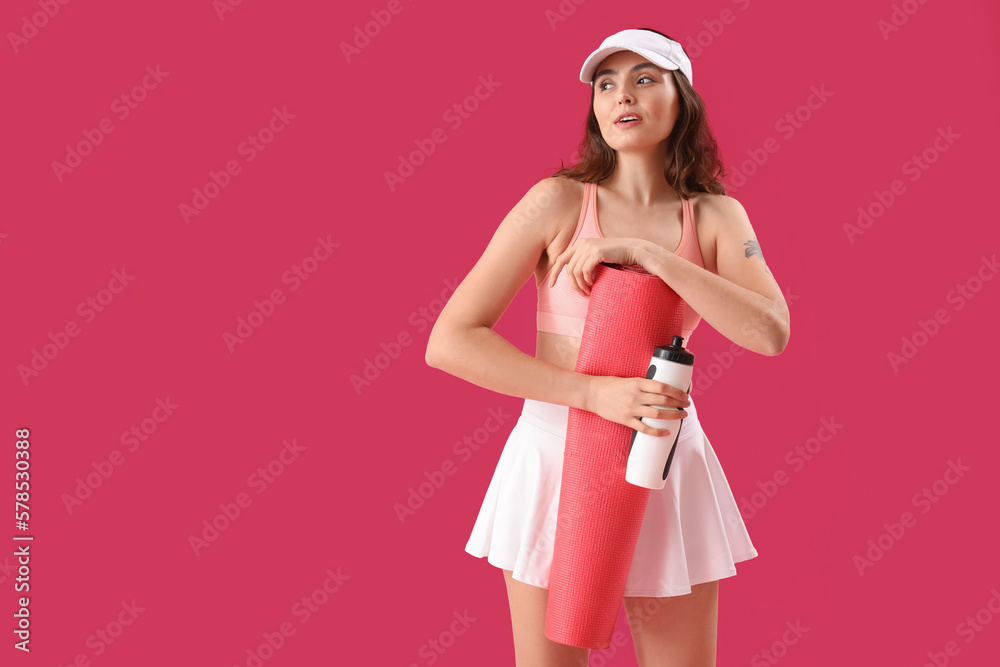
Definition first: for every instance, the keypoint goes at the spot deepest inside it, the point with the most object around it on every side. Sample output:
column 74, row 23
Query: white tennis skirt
column 692, row 531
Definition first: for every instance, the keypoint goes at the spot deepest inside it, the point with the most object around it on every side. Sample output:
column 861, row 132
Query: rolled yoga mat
column 630, row 312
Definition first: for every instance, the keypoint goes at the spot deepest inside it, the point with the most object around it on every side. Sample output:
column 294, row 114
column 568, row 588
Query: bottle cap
column 675, row 352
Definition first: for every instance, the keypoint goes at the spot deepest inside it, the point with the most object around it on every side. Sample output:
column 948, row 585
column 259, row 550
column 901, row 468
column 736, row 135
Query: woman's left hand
column 581, row 258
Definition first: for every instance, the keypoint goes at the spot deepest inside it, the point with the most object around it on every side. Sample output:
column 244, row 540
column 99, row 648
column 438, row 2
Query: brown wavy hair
column 693, row 160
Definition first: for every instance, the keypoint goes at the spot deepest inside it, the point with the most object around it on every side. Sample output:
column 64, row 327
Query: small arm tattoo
column 753, row 248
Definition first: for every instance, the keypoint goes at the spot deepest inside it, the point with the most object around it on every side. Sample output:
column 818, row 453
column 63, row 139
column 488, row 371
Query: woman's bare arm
column 743, row 302
column 462, row 341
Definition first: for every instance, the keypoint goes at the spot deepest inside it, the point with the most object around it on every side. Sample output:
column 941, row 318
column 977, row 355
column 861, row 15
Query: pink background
column 331, row 505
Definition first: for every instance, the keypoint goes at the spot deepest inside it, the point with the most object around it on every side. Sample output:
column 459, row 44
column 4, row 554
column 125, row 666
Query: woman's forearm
column 483, row 357
column 749, row 319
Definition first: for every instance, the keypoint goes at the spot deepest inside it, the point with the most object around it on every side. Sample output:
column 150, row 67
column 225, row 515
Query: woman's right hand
column 625, row 400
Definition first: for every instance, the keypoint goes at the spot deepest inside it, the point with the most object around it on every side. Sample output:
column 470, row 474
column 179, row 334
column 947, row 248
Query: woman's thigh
column 527, row 614
column 679, row 631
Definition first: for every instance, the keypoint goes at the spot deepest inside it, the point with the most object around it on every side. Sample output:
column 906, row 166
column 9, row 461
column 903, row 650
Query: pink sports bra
column 563, row 310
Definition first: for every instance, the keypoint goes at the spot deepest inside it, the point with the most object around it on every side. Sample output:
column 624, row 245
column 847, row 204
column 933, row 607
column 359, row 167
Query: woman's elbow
column 439, row 344
column 443, row 342
column 780, row 340
column 432, row 354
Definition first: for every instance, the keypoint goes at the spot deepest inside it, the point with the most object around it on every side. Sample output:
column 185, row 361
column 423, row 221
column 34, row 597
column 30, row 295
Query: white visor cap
column 652, row 46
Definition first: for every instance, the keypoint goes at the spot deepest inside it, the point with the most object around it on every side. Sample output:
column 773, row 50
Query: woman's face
column 648, row 92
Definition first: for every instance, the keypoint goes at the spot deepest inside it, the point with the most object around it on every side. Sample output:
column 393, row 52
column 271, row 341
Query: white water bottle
column 649, row 456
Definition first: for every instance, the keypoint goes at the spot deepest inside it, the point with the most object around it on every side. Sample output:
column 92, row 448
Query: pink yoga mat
column 630, row 312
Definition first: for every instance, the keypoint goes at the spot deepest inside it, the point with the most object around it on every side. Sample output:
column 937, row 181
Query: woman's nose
column 624, row 96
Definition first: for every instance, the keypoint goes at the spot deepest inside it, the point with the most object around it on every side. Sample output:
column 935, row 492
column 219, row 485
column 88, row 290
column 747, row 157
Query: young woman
column 645, row 193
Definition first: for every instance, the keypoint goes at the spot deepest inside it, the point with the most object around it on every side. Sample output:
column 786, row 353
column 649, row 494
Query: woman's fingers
column 565, row 260
column 571, row 269
column 651, row 400
column 561, row 262
column 662, row 389
column 657, row 397
column 643, row 427
column 578, row 263
column 556, row 268
column 588, row 272
column 669, row 413
column 583, row 270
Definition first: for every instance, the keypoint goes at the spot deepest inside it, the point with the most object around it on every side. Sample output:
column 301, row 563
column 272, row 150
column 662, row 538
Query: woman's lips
column 628, row 123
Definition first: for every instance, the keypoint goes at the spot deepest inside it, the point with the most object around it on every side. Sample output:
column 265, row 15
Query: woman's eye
column 603, row 83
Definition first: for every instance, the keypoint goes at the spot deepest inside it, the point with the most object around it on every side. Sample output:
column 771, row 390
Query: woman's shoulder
column 556, row 201
column 716, row 204
column 558, row 191
column 713, row 211
column 552, row 208
column 713, row 214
